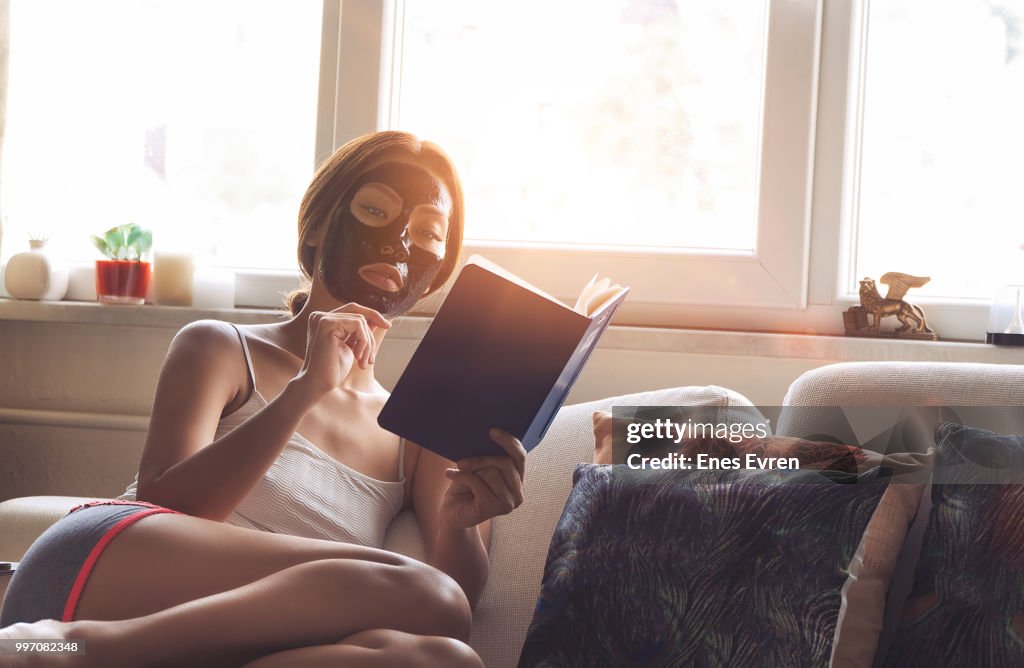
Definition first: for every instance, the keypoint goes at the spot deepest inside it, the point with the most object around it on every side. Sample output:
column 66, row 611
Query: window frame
column 799, row 278
column 774, row 274
column 833, row 283
column 361, row 56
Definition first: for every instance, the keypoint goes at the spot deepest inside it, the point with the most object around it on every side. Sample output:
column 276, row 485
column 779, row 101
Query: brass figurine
column 865, row 319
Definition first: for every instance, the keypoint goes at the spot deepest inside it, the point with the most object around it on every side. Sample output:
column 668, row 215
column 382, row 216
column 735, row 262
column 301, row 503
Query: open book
column 499, row 353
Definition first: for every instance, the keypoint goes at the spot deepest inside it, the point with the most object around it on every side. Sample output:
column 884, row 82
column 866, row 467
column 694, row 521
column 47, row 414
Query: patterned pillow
column 967, row 604
column 862, row 614
column 680, row 568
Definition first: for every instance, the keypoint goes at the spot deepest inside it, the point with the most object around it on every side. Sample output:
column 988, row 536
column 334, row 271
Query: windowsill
column 641, row 339
column 146, row 315
column 262, row 290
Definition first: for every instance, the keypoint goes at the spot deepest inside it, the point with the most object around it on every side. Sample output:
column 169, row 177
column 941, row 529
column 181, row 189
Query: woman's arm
column 180, row 467
column 454, row 507
column 459, row 552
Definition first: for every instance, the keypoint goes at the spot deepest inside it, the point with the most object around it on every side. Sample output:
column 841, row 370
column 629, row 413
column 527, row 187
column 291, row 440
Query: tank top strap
column 248, row 357
column 401, row 460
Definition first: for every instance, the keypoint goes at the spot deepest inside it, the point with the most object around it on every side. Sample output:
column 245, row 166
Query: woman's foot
column 46, row 631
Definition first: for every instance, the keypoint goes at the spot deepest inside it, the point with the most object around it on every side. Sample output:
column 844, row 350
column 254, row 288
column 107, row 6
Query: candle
column 172, row 278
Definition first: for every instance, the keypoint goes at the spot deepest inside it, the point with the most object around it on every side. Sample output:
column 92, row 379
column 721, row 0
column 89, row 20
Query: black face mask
column 351, row 245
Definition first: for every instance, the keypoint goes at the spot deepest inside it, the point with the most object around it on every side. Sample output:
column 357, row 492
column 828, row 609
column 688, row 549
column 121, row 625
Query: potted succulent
column 123, row 278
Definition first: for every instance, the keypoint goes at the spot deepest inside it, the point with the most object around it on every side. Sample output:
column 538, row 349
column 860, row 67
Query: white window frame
column 799, row 278
column 833, row 285
column 360, row 73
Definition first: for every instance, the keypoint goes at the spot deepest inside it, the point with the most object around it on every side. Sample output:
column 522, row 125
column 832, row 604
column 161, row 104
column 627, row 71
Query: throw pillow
column 966, row 607
column 677, row 568
column 862, row 613
column 871, row 571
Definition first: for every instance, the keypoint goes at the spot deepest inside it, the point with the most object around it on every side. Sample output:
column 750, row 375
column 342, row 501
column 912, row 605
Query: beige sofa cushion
column 909, row 384
column 973, row 394
column 519, row 542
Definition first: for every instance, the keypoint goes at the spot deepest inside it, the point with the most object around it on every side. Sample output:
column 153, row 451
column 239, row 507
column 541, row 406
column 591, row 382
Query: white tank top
column 306, row 492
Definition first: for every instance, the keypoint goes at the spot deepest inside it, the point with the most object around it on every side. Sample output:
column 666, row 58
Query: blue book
column 499, row 353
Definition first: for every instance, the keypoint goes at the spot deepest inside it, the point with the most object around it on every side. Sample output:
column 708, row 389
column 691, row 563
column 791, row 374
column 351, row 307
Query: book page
column 596, row 295
column 603, row 299
column 581, row 301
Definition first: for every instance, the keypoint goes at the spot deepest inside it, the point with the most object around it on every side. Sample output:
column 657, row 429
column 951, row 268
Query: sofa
column 519, row 542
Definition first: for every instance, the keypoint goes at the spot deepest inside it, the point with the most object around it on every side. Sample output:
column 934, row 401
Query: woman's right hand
column 335, row 340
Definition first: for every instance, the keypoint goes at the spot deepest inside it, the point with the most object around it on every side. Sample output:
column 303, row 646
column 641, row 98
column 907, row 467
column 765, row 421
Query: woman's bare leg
column 312, row 604
column 378, row 647
column 163, row 560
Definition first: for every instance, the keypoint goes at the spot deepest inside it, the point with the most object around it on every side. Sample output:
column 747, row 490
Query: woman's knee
column 437, row 599
column 417, row 598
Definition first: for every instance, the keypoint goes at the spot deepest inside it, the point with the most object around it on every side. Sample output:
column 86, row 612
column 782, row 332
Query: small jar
column 34, row 275
column 1006, row 317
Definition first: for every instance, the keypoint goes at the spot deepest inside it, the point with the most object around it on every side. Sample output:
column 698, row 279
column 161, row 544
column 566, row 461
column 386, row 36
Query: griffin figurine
column 866, row 318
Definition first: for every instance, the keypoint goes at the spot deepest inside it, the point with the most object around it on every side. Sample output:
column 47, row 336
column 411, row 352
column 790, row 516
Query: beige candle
column 172, row 278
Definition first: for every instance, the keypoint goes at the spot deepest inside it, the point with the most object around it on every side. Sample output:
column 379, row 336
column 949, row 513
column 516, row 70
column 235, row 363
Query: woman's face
column 386, row 240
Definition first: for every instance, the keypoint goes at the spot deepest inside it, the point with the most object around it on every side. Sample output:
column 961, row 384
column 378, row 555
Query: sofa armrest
column 22, row 520
column 917, row 394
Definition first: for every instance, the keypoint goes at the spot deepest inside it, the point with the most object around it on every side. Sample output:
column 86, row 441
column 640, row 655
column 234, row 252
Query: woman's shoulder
column 209, row 347
column 206, row 336
column 206, row 353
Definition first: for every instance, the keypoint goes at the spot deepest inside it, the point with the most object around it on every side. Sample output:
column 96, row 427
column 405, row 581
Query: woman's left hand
column 484, row 487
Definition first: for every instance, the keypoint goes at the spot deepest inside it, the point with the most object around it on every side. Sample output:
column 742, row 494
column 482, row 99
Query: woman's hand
column 483, row 487
column 335, row 340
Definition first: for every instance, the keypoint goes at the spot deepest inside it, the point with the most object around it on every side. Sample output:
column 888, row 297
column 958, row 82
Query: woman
column 230, row 449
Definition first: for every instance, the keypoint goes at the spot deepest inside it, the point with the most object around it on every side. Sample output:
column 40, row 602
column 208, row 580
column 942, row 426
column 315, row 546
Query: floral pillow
column 677, row 568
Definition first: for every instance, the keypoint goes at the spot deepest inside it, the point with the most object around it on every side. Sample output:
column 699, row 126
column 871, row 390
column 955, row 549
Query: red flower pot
column 122, row 281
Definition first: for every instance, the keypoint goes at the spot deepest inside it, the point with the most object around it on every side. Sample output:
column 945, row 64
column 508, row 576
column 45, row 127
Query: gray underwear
column 50, row 577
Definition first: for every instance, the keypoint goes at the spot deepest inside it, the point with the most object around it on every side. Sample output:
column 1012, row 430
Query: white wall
column 78, row 380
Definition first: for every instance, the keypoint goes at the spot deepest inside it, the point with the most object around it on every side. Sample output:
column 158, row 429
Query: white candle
column 172, row 278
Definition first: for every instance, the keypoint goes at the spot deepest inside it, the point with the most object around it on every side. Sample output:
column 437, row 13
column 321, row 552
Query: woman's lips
column 382, row 275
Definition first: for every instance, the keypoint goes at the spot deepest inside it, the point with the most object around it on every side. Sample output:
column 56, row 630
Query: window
column 622, row 124
column 940, row 170
column 196, row 119
column 626, row 137
column 907, row 175
column 741, row 165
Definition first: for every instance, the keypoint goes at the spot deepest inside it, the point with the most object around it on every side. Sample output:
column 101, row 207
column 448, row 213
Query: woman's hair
column 338, row 173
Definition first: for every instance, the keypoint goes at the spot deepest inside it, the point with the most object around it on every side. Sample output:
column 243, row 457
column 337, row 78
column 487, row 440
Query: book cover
column 497, row 354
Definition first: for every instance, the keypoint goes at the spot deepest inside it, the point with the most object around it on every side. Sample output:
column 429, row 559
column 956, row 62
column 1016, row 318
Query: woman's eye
column 430, row 234
column 375, row 211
